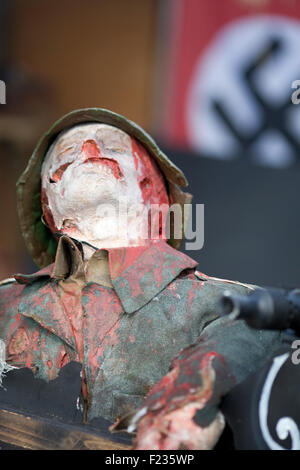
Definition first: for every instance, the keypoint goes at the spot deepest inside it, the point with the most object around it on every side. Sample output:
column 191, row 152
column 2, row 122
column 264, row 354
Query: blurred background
column 211, row 80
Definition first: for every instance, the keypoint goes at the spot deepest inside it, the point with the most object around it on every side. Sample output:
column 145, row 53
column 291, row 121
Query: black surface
column 57, row 399
column 252, row 223
column 241, row 406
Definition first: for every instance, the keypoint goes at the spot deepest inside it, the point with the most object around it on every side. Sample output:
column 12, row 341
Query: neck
column 92, row 244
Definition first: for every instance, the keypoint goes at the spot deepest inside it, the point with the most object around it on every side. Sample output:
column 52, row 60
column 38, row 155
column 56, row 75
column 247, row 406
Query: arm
column 226, row 353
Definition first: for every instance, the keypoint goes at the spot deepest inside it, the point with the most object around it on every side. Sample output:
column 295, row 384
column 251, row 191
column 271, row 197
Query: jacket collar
column 138, row 274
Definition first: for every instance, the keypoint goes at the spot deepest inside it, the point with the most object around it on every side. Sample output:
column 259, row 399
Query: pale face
column 87, row 171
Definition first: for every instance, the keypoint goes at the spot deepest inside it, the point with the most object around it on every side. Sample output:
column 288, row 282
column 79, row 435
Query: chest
column 123, row 354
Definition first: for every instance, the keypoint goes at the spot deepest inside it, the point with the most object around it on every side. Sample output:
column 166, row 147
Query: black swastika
column 273, row 115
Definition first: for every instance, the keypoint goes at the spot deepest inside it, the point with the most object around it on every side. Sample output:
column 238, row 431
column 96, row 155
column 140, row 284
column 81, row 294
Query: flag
column 231, row 72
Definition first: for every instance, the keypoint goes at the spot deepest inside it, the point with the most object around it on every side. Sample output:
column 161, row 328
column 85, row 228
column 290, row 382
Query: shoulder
column 9, row 285
column 9, row 281
column 12, row 289
column 198, row 279
column 225, row 282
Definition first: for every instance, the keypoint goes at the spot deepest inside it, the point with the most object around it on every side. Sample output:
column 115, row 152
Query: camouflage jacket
column 124, row 323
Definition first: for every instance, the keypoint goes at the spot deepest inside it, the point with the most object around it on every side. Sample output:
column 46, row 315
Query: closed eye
column 67, row 150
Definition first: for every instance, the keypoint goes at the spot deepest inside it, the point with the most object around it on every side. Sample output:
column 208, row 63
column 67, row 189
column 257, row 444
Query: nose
column 90, row 150
column 92, row 153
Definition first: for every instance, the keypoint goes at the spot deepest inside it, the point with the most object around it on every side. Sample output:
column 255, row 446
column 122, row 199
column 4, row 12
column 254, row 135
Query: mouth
column 105, row 162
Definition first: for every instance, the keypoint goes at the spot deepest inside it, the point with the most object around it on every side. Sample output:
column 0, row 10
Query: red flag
column 229, row 79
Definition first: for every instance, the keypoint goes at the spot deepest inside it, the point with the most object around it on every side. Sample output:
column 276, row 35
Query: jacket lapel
column 40, row 302
column 145, row 271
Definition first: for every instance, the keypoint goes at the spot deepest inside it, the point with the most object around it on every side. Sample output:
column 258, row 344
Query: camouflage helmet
column 38, row 238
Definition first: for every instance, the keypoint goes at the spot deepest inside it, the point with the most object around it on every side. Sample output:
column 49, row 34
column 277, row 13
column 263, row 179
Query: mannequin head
column 98, row 184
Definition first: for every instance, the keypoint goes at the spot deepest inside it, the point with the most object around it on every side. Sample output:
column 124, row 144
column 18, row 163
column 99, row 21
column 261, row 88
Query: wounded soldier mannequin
column 122, row 302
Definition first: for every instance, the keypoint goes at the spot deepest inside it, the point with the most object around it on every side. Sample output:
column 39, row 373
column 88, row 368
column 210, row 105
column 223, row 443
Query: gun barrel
column 265, row 308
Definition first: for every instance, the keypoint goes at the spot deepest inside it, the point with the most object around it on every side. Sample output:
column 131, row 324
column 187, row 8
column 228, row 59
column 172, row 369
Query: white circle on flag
column 218, row 76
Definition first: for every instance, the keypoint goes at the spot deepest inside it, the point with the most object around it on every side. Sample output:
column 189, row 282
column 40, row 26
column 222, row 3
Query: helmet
column 38, row 238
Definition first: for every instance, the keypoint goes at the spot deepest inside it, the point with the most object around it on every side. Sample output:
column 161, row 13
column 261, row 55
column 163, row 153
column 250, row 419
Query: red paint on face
column 110, row 163
column 47, row 212
column 151, row 180
column 92, row 153
column 153, row 187
column 91, row 149
column 59, row 172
